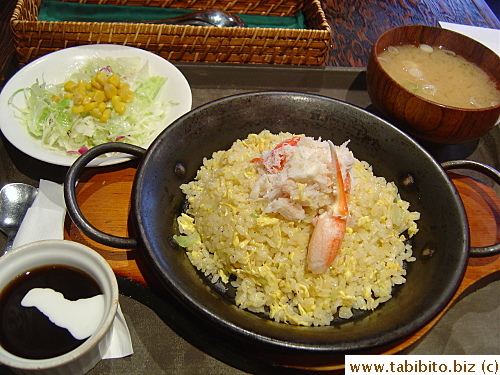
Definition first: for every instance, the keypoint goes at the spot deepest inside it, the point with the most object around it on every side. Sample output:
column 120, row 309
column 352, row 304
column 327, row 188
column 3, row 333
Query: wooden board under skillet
column 109, row 190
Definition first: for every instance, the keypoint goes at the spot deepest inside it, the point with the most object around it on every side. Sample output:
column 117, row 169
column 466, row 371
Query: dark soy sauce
column 28, row 333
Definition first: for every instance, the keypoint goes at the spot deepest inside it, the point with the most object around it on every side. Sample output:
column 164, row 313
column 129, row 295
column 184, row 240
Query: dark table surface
column 470, row 327
column 357, row 24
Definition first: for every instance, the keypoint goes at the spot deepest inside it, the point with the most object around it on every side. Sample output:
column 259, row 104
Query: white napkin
column 121, row 344
column 45, row 221
column 489, row 37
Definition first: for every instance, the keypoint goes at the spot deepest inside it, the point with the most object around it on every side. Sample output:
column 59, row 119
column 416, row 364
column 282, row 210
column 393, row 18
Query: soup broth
column 440, row 75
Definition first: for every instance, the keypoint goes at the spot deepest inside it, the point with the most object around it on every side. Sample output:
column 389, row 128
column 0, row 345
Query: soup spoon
column 206, row 17
column 15, row 199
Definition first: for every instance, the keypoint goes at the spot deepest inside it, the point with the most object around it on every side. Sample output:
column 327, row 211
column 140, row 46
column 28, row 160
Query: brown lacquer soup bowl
column 441, row 246
column 423, row 118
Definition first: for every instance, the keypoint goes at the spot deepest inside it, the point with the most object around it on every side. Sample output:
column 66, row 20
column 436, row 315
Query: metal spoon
column 15, row 199
column 206, row 17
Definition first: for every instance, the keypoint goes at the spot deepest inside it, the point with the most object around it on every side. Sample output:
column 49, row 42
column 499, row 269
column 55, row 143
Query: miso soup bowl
column 60, row 252
column 421, row 118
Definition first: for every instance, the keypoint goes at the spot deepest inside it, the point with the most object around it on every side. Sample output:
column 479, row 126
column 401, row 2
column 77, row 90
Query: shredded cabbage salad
column 59, row 129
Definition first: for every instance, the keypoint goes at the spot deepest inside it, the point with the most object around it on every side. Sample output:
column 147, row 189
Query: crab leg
column 329, row 227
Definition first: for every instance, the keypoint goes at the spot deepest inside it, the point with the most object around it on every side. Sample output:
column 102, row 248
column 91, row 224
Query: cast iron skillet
column 441, row 246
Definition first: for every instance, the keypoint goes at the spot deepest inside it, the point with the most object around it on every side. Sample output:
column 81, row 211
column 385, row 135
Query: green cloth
column 54, row 10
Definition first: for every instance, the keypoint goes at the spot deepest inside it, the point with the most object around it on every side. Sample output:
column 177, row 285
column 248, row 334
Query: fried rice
column 229, row 238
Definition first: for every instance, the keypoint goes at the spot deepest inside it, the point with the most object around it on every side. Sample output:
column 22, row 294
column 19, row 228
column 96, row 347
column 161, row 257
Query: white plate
column 55, row 67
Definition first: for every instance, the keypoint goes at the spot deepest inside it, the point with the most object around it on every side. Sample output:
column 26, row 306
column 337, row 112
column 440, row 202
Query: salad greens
column 60, row 129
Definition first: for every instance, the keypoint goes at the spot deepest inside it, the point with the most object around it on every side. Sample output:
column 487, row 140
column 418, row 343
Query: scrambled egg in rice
column 227, row 232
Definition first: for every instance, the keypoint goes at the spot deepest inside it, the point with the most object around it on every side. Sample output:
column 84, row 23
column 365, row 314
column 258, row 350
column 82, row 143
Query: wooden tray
column 113, row 185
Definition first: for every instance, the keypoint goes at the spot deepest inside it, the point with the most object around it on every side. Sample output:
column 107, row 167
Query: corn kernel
column 70, row 86
column 110, row 90
column 101, row 78
column 96, row 112
column 124, row 86
column 96, row 84
column 78, row 98
column 69, row 95
column 120, row 108
column 86, row 99
column 115, row 99
column 82, row 85
column 99, row 96
column 114, row 80
column 89, row 106
column 105, row 115
column 127, row 96
column 77, row 109
column 123, row 90
column 56, row 98
column 102, row 106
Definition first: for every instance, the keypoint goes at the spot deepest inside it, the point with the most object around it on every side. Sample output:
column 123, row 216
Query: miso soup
column 440, row 75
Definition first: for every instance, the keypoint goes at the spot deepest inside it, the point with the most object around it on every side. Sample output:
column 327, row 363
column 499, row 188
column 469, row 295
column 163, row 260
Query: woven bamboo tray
column 183, row 43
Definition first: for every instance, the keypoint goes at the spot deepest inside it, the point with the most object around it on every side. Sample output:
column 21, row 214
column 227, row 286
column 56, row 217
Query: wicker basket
column 34, row 38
